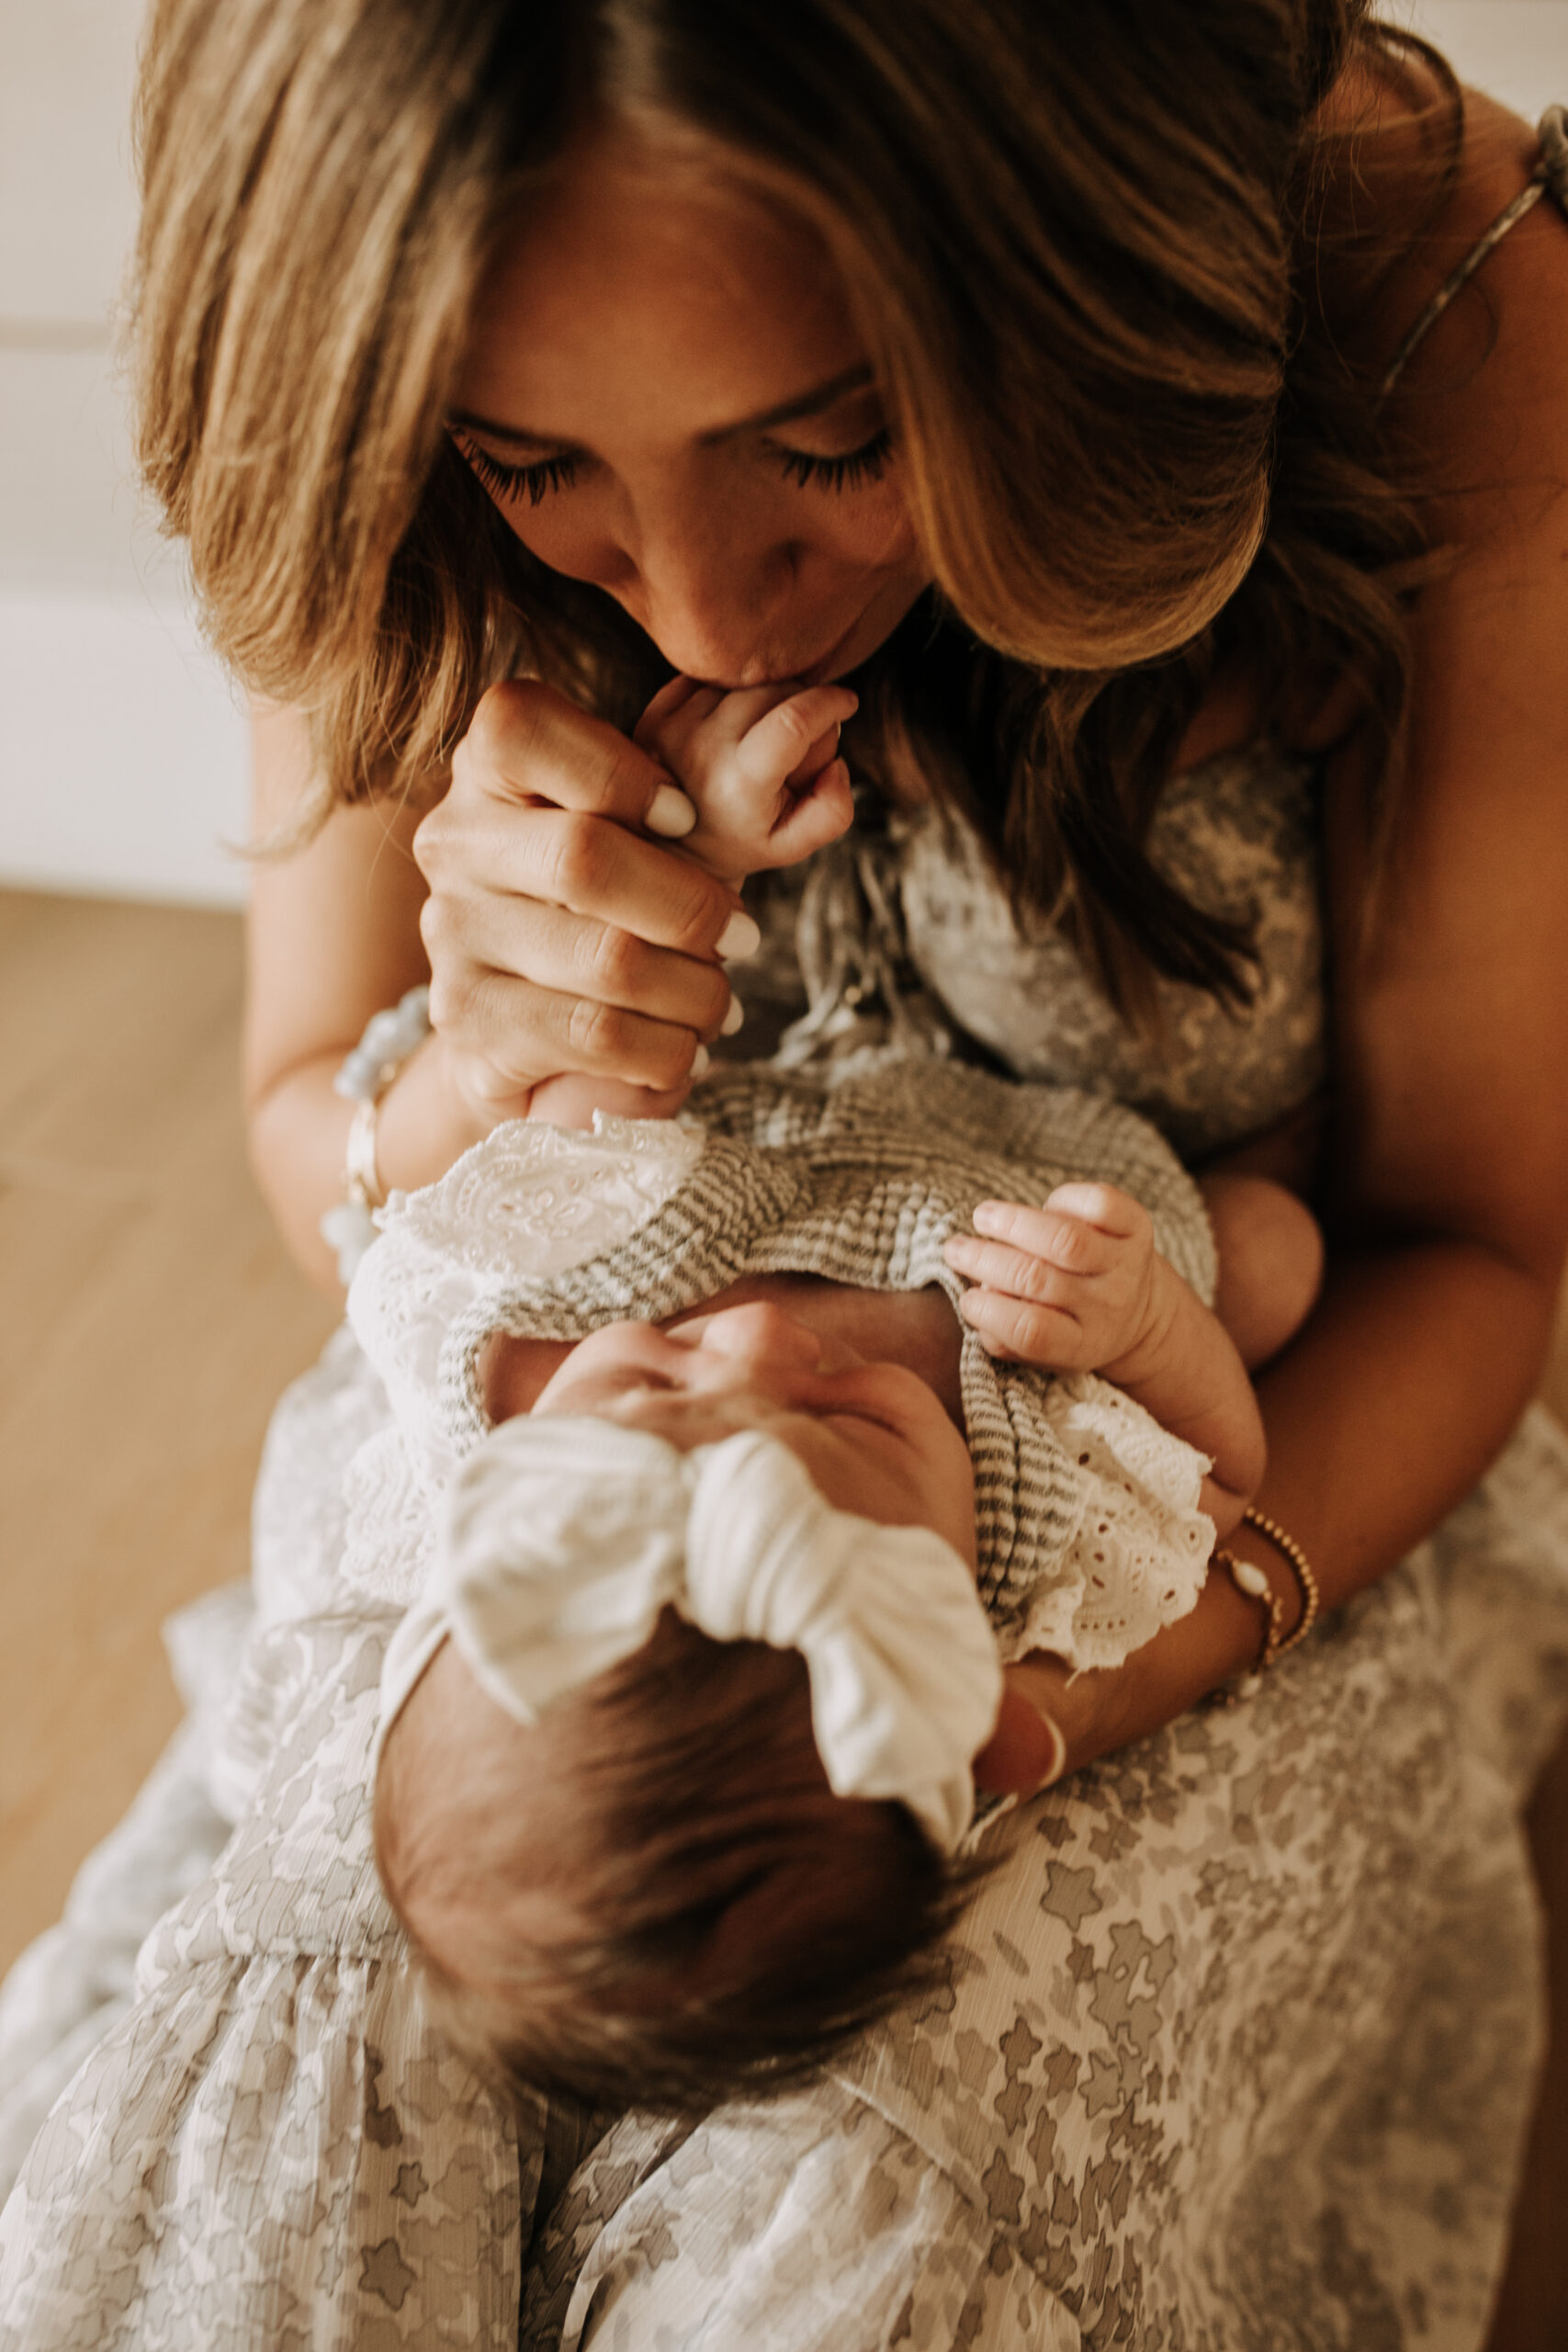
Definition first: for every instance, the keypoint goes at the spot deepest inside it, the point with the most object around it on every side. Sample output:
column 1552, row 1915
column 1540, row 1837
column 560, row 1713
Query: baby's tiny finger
column 996, row 1267
column 819, row 817
column 1046, row 1336
column 779, row 741
column 1061, row 1241
column 671, row 697
column 665, row 734
column 1020, row 1272
column 1011, row 1221
column 1104, row 1206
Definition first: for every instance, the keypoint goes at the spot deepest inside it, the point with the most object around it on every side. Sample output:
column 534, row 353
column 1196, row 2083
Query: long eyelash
column 856, row 466
column 532, row 482
column 535, row 481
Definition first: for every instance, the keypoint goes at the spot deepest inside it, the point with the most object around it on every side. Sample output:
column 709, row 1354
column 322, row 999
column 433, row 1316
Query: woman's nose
column 714, row 611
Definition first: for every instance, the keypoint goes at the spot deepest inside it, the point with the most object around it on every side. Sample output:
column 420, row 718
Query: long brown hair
column 1084, row 244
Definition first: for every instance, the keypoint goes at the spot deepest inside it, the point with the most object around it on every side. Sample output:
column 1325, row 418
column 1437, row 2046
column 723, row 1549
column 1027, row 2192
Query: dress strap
column 1549, row 178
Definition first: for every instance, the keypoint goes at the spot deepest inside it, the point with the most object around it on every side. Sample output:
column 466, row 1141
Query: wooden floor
column 150, row 1319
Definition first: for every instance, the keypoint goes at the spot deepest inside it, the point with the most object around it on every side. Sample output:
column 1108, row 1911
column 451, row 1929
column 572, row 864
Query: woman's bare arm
column 332, row 936
column 1447, row 1202
column 540, row 825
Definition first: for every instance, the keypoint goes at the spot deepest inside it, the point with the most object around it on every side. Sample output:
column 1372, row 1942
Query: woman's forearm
column 299, row 1130
column 1399, row 1393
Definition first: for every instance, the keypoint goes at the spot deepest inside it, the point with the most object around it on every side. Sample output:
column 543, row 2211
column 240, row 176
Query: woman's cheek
column 879, row 533
column 561, row 542
column 847, row 533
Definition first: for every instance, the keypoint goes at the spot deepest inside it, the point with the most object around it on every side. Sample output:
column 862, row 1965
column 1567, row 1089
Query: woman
column 1027, row 366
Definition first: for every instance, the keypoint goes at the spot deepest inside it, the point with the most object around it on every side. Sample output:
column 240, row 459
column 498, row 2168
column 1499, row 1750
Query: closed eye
column 868, row 463
column 533, row 481
column 805, row 467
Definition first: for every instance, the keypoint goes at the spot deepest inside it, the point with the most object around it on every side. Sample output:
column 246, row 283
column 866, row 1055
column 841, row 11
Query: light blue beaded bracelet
column 390, row 1038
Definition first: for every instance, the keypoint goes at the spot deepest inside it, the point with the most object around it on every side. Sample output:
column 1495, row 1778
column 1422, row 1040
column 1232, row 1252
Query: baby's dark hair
column 653, row 1897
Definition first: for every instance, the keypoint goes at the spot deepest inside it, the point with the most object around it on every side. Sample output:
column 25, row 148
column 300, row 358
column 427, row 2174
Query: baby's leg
column 1271, row 1262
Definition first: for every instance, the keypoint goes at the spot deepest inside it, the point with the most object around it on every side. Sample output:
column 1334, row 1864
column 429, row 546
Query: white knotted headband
column 564, row 1539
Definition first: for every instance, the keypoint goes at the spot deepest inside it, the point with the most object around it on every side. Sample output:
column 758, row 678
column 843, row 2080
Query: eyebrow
column 812, row 403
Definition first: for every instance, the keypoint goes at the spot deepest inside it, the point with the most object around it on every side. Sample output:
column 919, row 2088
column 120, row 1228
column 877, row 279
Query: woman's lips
column 818, row 671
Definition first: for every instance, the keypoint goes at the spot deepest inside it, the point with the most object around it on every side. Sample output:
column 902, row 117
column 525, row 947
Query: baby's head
column 652, row 1895
column 676, row 1756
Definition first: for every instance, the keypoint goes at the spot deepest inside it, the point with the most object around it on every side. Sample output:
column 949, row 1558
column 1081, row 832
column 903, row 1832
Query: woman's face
column 666, row 395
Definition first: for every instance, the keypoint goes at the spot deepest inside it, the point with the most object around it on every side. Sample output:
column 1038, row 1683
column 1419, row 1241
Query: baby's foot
column 760, row 765
column 1071, row 1287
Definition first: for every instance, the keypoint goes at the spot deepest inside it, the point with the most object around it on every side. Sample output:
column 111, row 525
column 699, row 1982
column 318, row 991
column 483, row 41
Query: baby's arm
column 1270, row 1253
column 761, row 767
column 1079, row 1286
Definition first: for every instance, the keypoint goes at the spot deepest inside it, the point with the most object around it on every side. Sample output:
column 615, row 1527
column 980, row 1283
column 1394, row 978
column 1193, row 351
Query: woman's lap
column 1242, row 2030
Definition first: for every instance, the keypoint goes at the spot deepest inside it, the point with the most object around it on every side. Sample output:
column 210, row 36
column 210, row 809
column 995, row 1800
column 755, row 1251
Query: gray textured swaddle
column 860, row 1179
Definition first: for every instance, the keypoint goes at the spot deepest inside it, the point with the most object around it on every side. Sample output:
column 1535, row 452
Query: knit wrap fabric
column 859, row 1179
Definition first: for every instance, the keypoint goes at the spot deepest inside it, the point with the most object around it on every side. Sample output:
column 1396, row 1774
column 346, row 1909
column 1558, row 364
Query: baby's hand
column 1071, row 1287
column 760, row 765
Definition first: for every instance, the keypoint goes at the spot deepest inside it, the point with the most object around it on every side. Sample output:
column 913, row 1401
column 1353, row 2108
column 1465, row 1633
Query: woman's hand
column 1053, row 1720
column 561, row 937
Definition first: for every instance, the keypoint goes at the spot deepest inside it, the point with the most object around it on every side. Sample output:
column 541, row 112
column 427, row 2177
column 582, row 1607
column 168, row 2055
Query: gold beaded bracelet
column 1250, row 1579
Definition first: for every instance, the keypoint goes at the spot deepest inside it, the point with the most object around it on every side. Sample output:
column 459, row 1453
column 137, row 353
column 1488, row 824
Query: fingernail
column 733, row 1018
column 739, row 938
column 669, row 813
column 701, row 1060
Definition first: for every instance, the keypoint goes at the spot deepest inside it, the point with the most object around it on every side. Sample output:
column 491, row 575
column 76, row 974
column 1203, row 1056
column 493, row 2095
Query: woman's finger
column 599, row 869
column 521, row 1032
column 587, row 865
column 526, row 742
column 578, row 956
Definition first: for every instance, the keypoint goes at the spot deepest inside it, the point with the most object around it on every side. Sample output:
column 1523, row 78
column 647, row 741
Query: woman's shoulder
column 1477, row 409
column 1478, row 401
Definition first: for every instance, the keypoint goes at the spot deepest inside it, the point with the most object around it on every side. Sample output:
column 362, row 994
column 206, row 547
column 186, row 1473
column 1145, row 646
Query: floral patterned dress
column 1235, row 2049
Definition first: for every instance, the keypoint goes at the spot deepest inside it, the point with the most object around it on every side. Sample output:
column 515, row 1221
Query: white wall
column 122, row 766
column 1515, row 49
column 122, row 755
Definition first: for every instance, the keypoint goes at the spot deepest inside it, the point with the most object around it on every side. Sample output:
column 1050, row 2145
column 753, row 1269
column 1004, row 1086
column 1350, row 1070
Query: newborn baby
column 678, row 1736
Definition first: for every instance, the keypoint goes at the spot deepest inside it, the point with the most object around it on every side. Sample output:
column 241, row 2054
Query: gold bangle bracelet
column 1253, row 1583
column 361, row 1175
column 1306, row 1582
